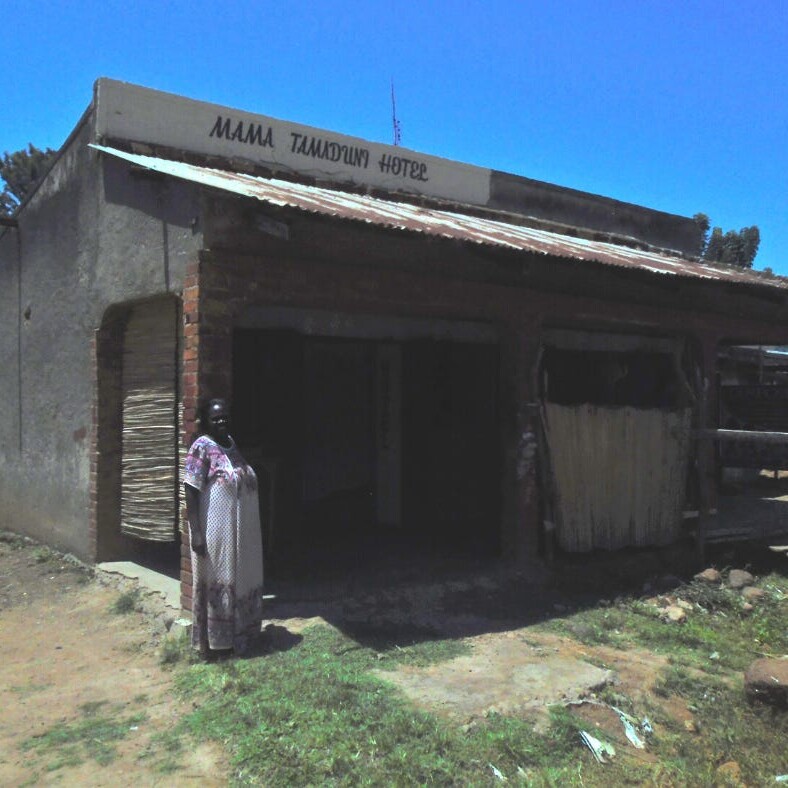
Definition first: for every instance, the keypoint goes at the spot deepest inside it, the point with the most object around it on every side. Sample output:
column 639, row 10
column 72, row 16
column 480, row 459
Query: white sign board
column 137, row 114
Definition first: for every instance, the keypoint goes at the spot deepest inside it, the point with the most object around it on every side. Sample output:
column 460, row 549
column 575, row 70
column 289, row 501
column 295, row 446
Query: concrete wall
column 10, row 318
column 90, row 236
column 591, row 211
column 44, row 484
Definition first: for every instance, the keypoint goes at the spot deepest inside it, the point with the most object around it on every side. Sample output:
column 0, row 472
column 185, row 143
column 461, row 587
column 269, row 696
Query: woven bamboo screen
column 149, row 485
column 620, row 474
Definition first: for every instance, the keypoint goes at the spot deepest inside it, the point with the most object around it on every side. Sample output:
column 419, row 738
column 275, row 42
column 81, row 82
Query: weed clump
column 127, row 602
column 43, row 554
column 711, row 597
column 94, row 737
column 15, row 541
column 175, row 649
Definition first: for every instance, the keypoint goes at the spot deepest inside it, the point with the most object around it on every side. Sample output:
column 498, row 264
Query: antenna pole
column 394, row 122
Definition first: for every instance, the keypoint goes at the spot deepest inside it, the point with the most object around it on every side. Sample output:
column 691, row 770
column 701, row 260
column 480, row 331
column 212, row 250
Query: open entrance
column 376, row 440
column 617, row 421
column 138, row 452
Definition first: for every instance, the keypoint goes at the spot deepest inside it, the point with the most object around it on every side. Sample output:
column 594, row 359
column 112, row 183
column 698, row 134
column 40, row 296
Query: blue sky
column 680, row 106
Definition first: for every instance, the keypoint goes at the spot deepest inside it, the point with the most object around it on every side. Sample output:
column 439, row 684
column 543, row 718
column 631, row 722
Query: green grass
column 93, row 736
column 401, row 646
column 730, row 728
column 752, row 735
column 316, row 714
column 322, row 713
column 718, row 624
column 29, row 689
column 174, row 649
column 164, row 751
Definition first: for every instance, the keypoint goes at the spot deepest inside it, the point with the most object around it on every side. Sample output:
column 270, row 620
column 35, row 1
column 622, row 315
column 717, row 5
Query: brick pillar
column 207, row 366
column 219, row 293
column 190, row 393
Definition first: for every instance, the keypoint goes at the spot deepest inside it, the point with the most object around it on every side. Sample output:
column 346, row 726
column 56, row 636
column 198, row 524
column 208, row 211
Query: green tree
column 21, row 171
column 731, row 248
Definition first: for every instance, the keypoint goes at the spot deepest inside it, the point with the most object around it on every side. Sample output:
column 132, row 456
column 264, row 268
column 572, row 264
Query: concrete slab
column 153, row 582
column 505, row 676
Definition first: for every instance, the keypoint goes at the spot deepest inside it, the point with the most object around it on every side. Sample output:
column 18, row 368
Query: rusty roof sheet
column 443, row 223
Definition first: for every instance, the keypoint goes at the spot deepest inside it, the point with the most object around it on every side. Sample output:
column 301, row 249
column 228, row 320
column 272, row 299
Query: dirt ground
column 65, row 657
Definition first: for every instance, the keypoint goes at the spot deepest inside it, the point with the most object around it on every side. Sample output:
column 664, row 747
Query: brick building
column 423, row 357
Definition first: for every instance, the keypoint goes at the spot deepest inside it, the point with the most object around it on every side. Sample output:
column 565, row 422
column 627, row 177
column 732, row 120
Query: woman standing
column 227, row 549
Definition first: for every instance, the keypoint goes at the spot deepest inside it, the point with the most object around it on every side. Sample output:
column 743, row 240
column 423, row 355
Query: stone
column 730, row 772
column 738, row 578
column 180, row 627
column 766, row 681
column 684, row 605
column 674, row 613
column 747, row 608
column 752, row 594
column 710, row 575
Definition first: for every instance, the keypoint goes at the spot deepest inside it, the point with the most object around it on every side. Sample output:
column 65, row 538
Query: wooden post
column 547, row 484
column 520, row 536
column 704, row 451
column 706, row 406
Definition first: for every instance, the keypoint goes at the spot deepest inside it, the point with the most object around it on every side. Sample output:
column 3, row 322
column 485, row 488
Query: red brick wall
column 190, row 392
column 219, row 286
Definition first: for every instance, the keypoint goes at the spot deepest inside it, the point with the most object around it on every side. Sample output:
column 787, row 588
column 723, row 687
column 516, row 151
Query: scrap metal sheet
column 442, row 223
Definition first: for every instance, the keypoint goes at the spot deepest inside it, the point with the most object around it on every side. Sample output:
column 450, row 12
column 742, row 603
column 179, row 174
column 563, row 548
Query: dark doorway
column 451, row 457
column 369, row 451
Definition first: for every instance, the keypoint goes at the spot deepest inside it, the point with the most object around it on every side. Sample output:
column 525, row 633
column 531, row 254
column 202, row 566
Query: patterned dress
column 228, row 580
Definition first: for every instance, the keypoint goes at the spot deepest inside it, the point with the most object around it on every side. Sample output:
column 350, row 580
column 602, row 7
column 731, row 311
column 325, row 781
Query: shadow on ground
column 392, row 601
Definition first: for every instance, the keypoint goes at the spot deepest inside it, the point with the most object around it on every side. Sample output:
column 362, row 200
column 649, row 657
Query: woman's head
column 216, row 419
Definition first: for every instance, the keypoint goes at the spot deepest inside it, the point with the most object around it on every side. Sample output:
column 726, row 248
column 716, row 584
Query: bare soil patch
column 68, row 662
column 70, row 665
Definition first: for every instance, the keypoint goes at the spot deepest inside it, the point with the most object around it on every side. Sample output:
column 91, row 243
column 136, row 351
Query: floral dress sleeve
column 197, row 465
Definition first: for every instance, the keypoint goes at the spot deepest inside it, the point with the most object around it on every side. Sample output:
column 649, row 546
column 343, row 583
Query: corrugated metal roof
column 445, row 224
